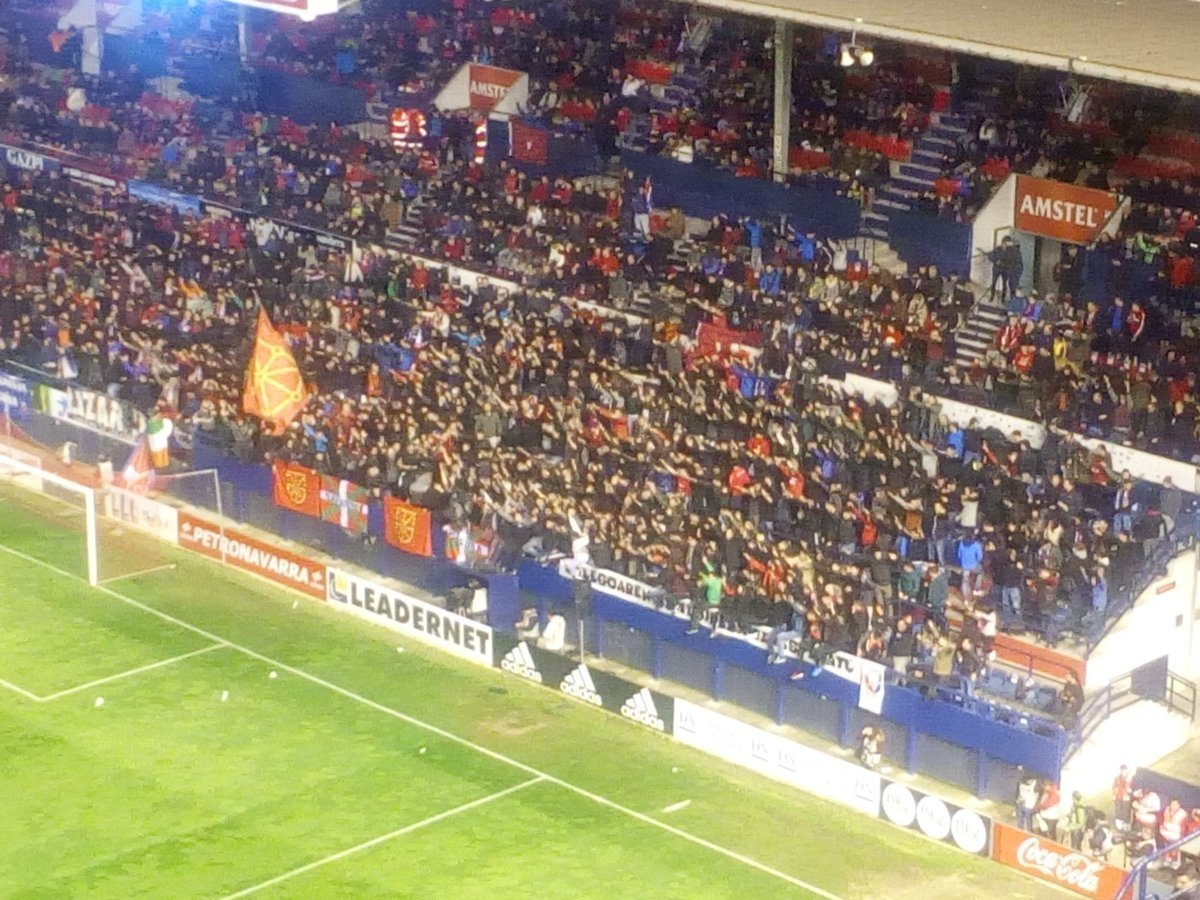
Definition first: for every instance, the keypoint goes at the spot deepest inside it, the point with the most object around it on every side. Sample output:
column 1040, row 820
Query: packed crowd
column 742, row 482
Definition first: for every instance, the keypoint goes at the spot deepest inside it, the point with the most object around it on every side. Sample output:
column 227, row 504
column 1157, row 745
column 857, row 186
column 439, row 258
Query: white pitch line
column 161, row 568
column 20, row 690
column 676, row 807
column 383, row 838
column 130, row 672
column 441, row 732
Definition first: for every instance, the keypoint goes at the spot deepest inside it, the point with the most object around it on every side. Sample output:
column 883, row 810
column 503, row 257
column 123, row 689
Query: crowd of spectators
column 743, row 483
column 697, row 445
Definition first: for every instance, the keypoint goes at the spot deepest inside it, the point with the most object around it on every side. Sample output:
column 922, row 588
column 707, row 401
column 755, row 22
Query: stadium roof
column 1149, row 42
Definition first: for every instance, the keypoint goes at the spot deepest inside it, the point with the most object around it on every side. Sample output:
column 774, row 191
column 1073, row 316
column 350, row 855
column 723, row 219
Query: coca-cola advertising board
column 1061, row 866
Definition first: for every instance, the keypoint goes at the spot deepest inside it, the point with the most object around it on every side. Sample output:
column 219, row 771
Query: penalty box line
column 131, row 672
column 29, row 695
column 383, row 838
column 443, row 733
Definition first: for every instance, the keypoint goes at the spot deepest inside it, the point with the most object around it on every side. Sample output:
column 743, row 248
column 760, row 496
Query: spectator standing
column 970, row 559
column 1027, row 798
column 1171, row 829
column 1071, row 700
column 1076, row 821
column 1122, row 791
column 1048, row 811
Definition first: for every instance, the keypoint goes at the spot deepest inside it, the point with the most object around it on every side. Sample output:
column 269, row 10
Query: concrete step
column 1137, row 736
column 979, row 347
column 895, row 192
column 919, row 170
column 920, row 185
column 952, row 120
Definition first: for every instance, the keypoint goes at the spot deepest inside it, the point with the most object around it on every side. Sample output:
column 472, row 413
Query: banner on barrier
column 29, row 161
column 407, row 527
column 426, row 622
column 142, row 513
column 93, row 179
column 344, row 503
column 297, row 488
column 1061, row 866
column 933, row 817
column 871, row 686
column 244, row 552
column 609, row 582
column 871, row 678
column 160, row 196
column 778, row 758
column 95, row 411
column 15, row 396
column 628, row 700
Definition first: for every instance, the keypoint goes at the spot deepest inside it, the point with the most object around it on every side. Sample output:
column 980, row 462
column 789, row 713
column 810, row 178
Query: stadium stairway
column 915, row 177
column 978, row 332
column 1136, row 736
column 406, row 235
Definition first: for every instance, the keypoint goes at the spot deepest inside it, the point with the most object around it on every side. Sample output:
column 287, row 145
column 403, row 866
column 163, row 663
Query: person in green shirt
column 1076, row 822
column 711, row 589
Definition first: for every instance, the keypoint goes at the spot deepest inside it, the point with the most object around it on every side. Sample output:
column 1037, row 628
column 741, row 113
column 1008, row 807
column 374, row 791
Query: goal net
column 52, row 514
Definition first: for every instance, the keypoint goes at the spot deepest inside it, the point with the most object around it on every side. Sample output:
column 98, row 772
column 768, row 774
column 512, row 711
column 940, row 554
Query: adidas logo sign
column 579, row 684
column 640, row 708
column 519, row 661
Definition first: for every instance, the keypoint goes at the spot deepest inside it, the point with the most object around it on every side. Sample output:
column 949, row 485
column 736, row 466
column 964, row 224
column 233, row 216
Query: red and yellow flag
column 407, row 527
column 274, row 387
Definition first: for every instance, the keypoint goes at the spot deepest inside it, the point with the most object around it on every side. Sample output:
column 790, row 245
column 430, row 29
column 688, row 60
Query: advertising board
column 249, row 554
column 406, row 615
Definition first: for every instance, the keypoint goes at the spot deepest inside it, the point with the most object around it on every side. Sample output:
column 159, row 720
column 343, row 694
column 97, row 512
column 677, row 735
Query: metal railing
column 1181, row 695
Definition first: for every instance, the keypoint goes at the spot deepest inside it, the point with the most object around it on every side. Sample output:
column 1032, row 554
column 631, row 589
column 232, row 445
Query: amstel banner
column 1065, row 212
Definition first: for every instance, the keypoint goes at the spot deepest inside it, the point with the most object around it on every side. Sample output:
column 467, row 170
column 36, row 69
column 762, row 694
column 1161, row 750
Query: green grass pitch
column 358, row 771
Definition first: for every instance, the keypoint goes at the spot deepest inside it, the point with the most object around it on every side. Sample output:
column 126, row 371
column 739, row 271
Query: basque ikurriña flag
column 344, row 503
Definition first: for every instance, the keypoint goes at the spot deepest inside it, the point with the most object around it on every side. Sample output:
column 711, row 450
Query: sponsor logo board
column 143, row 513
column 1061, row 866
column 488, row 85
column 1062, row 211
column 935, row 818
column 642, row 708
column 579, row 684
column 424, row 621
column 29, row 161
column 520, row 661
column 242, row 551
column 15, row 396
column 95, row 411
column 778, row 758
column 584, row 683
column 608, row 582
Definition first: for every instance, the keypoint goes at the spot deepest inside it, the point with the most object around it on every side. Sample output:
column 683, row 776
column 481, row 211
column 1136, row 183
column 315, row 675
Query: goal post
column 25, row 471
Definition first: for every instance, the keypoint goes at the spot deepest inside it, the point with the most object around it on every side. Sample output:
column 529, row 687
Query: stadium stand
column 635, row 387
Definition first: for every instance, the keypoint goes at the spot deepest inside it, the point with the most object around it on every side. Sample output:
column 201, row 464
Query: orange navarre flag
column 297, row 488
column 407, row 527
column 274, row 387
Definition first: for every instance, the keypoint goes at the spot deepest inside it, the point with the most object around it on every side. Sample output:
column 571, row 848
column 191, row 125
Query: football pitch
column 192, row 732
